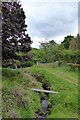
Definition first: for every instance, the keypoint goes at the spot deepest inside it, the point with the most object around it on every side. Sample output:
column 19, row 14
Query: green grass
column 17, row 95
column 63, row 72
column 65, row 104
column 25, row 102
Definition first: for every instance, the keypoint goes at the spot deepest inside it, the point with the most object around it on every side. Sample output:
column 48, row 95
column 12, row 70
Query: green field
column 24, row 102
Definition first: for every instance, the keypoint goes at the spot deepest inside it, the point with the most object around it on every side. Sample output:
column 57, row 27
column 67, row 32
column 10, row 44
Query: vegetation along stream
column 46, row 105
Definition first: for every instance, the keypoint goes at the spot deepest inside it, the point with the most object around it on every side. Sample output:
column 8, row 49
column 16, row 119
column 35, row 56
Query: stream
column 44, row 103
column 45, row 107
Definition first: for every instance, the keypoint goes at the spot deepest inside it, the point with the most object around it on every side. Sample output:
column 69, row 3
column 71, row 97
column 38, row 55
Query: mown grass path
column 61, row 75
column 70, row 76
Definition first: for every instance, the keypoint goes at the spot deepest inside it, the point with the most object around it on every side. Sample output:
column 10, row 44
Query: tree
column 44, row 46
column 52, row 42
column 75, row 46
column 75, row 43
column 14, row 38
column 52, row 51
column 66, row 42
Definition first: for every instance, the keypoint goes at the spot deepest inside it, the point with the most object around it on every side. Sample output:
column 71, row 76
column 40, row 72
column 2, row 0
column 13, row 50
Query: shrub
column 73, row 66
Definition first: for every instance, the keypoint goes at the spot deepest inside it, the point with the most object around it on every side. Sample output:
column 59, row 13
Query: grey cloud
column 50, row 19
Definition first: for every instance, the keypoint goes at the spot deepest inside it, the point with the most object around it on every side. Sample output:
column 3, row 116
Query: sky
column 50, row 19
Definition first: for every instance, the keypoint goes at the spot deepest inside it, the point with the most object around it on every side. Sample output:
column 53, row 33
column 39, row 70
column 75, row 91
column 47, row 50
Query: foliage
column 69, row 56
column 73, row 66
column 14, row 38
column 66, row 42
column 52, row 51
column 38, row 55
column 68, row 51
column 75, row 43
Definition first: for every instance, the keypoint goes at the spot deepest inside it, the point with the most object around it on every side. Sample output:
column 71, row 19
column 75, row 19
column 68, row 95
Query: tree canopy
column 68, row 51
column 14, row 37
column 66, row 41
column 75, row 43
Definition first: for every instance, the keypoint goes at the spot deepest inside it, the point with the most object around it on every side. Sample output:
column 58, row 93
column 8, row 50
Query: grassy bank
column 64, row 104
column 19, row 101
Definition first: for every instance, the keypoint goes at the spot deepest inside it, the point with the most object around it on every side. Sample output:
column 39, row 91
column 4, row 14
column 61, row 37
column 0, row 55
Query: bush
column 73, row 66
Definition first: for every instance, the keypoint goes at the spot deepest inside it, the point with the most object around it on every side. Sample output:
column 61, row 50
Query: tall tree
column 66, row 42
column 14, row 38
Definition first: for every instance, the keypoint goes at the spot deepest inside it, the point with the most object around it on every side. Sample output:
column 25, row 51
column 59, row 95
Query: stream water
column 44, row 102
column 44, row 105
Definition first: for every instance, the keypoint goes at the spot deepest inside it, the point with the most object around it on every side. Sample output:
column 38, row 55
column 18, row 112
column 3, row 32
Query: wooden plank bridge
column 45, row 91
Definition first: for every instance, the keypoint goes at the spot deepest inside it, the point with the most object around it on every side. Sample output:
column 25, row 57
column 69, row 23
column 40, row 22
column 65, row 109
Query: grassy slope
column 25, row 102
column 65, row 104
column 18, row 100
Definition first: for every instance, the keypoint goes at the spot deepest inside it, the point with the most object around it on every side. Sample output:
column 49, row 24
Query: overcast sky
column 47, row 19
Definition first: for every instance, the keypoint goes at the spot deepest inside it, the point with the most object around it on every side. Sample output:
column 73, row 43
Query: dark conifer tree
column 14, row 38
